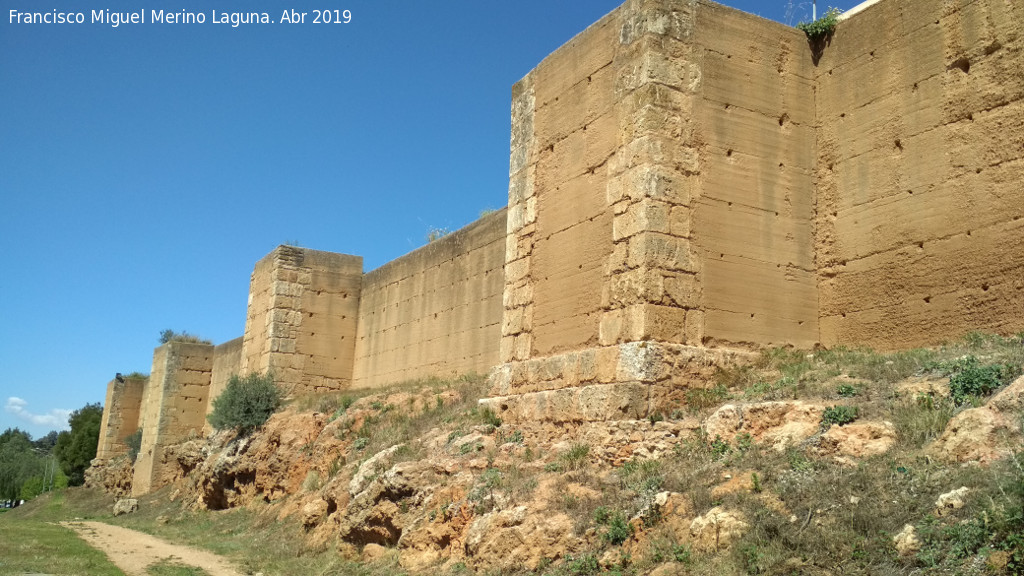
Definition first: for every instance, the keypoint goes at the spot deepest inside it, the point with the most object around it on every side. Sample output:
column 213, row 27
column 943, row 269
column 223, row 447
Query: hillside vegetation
column 844, row 461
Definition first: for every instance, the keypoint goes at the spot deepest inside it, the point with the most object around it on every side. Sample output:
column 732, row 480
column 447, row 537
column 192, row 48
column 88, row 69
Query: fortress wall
column 227, row 361
column 174, row 409
column 302, row 317
column 920, row 164
column 752, row 215
column 120, row 416
column 435, row 311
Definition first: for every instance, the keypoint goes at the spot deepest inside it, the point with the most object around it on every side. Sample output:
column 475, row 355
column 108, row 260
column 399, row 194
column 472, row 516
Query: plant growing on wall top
column 822, row 27
column 183, row 336
column 819, row 33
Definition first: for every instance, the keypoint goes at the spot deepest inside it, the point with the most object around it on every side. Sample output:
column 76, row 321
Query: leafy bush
column 822, row 27
column 617, row 527
column 970, row 379
column 183, row 336
column 575, row 457
column 846, row 390
column 838, row 415
column 246, row 403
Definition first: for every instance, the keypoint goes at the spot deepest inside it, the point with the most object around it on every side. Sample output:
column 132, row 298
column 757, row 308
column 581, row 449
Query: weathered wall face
column 302, row 317
column 752, row 219
column 174, row 409
column 227, row 361
column 919, row 170
column 120, row 416
column 433, row 312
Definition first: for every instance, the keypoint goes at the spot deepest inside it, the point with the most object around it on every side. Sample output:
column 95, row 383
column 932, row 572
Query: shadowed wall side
column 174, row 411
column 121, row 413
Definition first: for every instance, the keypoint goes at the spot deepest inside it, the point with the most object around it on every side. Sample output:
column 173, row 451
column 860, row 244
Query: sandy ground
column 133, row 551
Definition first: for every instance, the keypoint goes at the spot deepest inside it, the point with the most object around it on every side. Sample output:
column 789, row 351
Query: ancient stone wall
column 687, row 183
column 433, row 312
column 302, row 316
column 120, row 415
column 920, row 162
column 174, row 409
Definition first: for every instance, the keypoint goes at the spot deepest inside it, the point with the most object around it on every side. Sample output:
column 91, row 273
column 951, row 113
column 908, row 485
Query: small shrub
column 642, row 476
column 583, row 565
column 682, row 554
column 970, row 379
column 699, row 399
column 183, row 336
column 516, row 437
column 846, row 390
column 134, row 442
column 575, row 457
column 361, row 443
column 838, row 415
column 822, row 27
column 246, row 403
column 617, row 527
column 719, row 448
column 487, row 416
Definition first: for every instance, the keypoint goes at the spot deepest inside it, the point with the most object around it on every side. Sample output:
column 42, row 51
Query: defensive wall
column 687, row 183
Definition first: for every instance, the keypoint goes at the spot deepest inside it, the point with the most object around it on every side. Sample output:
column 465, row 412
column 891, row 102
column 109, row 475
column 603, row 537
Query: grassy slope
column 30, row 542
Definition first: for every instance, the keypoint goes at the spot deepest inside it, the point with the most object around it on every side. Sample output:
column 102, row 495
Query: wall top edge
column 858, row 8
column 459, row 237
column 237, row 342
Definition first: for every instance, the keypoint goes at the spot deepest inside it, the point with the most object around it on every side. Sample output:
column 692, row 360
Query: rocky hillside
column 831, row 462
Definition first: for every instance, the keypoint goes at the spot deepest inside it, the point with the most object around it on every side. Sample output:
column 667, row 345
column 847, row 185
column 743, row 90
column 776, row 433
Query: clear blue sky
column 144, row 169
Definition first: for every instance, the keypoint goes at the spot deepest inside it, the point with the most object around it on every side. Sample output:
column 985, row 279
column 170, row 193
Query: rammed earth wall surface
column 687, row 183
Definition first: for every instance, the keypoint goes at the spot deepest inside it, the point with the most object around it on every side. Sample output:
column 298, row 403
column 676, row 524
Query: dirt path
column 133, row 551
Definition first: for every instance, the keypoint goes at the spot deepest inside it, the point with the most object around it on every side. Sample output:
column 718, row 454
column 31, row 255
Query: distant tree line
column 57, row 460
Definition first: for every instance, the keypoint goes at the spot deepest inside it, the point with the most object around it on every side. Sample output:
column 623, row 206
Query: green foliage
column 134, row 442
column 838, row 415
column 846, row 390
column 575, row 457
column 642, row 476
column 617, row 528
column 969, row 379
column 246, row 403
column 719, row 447
column 183, row 336
column 681, row 553
column 76, row 449
column 699, row 399
column 923, row 419
column 487, row 416
column 583, row 565
column 17, row 462
column 822, row 27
